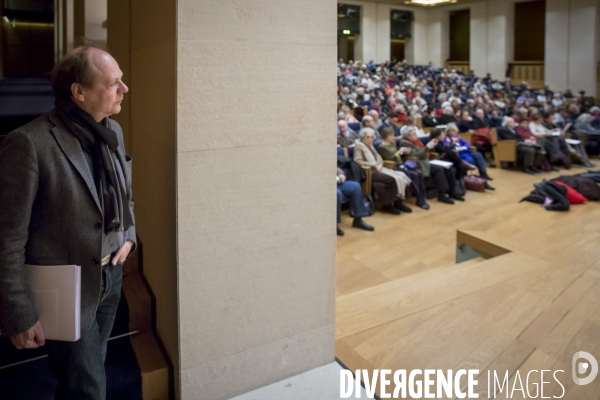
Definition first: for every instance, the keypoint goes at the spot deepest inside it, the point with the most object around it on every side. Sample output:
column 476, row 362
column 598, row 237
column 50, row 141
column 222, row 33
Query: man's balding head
column 343, row 125
column 91, row 78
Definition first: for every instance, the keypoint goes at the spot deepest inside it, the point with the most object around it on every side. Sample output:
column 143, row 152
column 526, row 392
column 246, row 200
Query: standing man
column 66, row 199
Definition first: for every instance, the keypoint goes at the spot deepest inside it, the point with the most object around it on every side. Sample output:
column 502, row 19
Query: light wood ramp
column 403, row 302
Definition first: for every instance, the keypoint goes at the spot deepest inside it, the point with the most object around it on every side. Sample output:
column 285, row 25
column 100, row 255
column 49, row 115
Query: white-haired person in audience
column 351, row 191
column 447, row 116
column 389, row 185
column 387, row 150
column 528, row 150
column 346, row 137
column 369, row 122
column 377, row 121
column 444, row 179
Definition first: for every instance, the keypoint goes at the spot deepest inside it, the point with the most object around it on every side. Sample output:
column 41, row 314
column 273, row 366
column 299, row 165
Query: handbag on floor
column 474, row 183
column 369, row 205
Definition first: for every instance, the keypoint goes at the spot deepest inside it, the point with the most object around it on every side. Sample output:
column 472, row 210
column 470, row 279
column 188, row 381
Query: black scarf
column 101, row 142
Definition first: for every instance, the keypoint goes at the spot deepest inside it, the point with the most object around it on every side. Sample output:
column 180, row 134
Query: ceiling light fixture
column 429, row 2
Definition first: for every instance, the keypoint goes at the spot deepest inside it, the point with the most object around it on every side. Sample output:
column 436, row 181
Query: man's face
column 479, row 114
column 104, row 97
column 343, row 127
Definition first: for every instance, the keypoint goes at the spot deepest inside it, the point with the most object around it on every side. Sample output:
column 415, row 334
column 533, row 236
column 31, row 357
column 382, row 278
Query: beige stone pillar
column 255, row 192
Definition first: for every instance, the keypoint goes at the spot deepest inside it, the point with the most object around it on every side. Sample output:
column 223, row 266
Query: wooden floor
column 403, row 302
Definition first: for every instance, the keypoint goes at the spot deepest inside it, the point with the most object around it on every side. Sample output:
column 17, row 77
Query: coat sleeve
column 19, row 175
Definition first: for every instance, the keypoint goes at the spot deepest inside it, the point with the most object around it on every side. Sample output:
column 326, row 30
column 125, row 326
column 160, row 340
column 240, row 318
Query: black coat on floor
column 548, row 189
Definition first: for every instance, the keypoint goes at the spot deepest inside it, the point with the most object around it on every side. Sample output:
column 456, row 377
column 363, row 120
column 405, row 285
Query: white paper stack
column 56, row 294
column 573, row 141
column 445, row 164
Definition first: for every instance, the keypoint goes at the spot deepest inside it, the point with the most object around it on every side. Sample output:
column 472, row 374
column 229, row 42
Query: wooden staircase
column 142, row 310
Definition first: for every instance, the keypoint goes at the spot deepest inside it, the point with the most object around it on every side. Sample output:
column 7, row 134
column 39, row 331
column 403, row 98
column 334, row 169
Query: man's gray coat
column 50, row 214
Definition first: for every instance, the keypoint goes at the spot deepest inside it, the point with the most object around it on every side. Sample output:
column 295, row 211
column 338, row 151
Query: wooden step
column 140, row 303
column 371, row 307
column 154, row 368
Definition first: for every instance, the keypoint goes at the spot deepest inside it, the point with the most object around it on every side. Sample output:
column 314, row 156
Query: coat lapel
column 72, row 149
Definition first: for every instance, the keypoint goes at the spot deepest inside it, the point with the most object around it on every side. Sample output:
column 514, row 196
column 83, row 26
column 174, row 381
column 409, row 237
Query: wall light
column 346, row 32
column 429, row 2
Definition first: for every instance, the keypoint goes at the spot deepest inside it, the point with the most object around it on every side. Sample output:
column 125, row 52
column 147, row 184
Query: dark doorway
column 530, row 30
column 397, row 49
column 460, row 35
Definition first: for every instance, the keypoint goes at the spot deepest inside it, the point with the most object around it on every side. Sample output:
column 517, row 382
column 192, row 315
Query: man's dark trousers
column 79, row 366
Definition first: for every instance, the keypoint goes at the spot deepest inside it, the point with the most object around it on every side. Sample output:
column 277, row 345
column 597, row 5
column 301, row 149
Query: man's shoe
column 555, row 169
column 360, row 224
column 424, row 206
column 446, row 200
column 487, row 177
column 402, row 207
column 536, row 170
column 488, row 187
column 457, row 197
column 529, row 171
column 340, row 232
column 391, row 209
column 470, row 166
column 588, row 164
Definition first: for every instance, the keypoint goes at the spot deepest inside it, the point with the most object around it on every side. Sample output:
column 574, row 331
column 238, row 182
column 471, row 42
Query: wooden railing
column 530, row 71
column 459, row 66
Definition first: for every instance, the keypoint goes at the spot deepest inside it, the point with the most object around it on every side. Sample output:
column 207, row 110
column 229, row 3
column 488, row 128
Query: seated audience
column 447, row 153
column 579, row 154
column 495, row 121
column 466, row 123
column 389, row 185
column 463, row 148
column 430, row 119
column 557, row 149
column 528, row 150
column 351, row 191
column 444, row 178
column 388, row 152
column 392, row 122
column 348, row 114
column 481, row 133
column 411, row 123
column 377, row 121
column 347, row 137
column 448, row 116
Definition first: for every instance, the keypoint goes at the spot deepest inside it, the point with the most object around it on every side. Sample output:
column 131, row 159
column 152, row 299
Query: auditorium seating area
column 513, row 127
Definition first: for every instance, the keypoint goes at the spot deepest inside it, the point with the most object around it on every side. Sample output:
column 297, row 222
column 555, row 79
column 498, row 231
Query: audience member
column 346, row 137
column 444, row 178
column 388, row 152
column 352, row 191
column 391, row 192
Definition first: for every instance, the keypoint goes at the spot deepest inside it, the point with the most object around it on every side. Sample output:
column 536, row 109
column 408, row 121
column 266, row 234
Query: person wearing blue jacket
column 463, row 148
